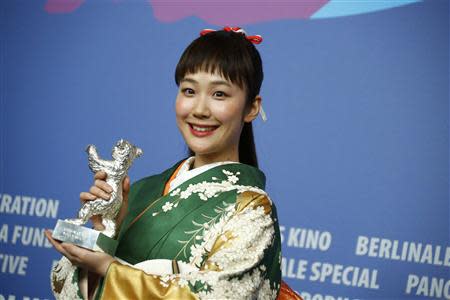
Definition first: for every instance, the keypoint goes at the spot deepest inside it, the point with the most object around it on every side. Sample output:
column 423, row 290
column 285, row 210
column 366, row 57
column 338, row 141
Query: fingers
column 121, row 215
column 126, row 183
column 52, row 241
column 124, row 208
column 100, row 189
column 126, row 187
column 99, row 193
column 58, row 245
column 96, row 262
column 100, row 175
column 97, row 223
column 103, row 185
column 74, row 251
column 75, row 254
column 85, row 196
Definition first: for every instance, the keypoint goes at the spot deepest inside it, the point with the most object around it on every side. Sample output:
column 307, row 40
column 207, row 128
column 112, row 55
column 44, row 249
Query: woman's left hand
column 96, row 262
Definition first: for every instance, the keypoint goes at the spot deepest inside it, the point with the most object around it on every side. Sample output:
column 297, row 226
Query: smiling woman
column 205, row 228
column 211, row 112
column 230, row 57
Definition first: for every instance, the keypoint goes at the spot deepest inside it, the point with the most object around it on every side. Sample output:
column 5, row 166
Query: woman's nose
column 201, row 107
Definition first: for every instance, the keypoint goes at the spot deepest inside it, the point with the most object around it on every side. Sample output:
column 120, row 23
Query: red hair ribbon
column 255, row 39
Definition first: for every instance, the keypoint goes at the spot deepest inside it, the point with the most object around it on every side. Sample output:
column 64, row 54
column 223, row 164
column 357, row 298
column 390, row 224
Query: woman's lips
column 202, row 130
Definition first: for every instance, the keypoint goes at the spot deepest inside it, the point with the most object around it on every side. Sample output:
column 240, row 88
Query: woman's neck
column 205, row 159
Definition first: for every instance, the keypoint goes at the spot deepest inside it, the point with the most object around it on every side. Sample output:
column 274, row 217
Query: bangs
column 228, row 54
column 213, row 64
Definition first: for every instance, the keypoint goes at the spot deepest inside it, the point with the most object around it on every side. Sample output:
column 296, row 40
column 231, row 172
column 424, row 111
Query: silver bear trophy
column 123, row 155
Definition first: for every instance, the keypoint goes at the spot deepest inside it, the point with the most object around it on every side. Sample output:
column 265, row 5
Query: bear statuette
column 71, row 230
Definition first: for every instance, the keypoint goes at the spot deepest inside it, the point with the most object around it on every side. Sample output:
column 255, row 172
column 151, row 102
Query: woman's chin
column 203, row 151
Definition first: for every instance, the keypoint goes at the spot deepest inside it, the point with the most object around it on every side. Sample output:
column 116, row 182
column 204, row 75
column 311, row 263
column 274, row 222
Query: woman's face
column 210, row 115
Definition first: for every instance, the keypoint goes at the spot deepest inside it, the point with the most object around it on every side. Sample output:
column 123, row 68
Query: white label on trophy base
column 84, row 237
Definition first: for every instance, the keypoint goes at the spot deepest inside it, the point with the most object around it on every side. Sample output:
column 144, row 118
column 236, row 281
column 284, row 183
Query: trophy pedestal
column 84, row 237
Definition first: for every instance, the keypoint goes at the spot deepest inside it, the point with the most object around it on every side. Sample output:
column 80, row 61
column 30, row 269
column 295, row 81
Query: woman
column 204, row 228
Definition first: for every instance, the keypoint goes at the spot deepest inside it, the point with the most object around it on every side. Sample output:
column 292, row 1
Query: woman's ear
column 253, row 110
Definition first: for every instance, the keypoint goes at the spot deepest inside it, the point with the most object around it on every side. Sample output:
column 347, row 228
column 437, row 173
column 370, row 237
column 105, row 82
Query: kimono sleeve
column 242, row 262
column 71, row 282
column 68, row 281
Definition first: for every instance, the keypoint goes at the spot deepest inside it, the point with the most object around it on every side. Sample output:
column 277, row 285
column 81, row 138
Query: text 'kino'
column 307, row 238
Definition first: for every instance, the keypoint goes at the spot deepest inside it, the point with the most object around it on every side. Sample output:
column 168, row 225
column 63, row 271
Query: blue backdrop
column 355, row 149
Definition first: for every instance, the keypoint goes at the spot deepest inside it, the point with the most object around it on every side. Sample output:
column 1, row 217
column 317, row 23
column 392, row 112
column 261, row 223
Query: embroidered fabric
column 185, row 173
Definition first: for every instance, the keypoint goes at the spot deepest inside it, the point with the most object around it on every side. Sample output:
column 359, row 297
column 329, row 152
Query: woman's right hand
column 101, row 189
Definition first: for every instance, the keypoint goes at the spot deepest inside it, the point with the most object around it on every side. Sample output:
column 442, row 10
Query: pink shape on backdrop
column 62, row 6
column 234, row 12
column 217, row 12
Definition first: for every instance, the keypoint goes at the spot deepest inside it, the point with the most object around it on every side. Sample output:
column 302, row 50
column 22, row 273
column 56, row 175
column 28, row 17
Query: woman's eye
column 220, row 94
column 188, row 91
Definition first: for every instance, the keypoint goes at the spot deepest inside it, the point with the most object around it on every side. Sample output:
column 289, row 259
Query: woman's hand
column 95, row 262
column 103, row 190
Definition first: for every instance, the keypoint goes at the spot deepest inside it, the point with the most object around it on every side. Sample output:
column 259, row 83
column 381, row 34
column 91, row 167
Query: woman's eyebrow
column 219, row 82
column 188, row 80
column 215, row 82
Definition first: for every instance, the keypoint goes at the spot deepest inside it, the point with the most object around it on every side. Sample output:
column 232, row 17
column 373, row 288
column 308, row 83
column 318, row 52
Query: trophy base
column 84, row 237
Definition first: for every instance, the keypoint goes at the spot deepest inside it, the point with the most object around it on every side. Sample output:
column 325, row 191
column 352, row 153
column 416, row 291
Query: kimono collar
column 185, row 173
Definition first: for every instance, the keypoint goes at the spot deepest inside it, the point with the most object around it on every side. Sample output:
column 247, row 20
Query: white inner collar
column 185, row 173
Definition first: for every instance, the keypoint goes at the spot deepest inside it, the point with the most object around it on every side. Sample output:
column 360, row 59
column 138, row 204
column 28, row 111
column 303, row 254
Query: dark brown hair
column 231, row 55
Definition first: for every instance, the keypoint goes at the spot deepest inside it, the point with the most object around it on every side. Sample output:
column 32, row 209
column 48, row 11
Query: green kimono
column 215, row 236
